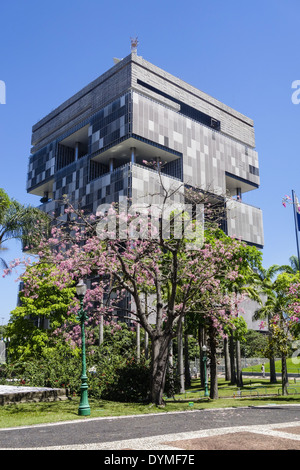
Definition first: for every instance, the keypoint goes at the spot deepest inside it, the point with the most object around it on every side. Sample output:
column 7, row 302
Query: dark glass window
column 254, row 170
column 119, row 185
column 97, row 169
column 65, row 156
column 185, row 109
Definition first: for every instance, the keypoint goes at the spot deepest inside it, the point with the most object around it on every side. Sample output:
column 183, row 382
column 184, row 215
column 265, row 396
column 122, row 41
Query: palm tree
column 24, row 223
column 3, row 263
column 4, row 205
column 291, row 268
column 246, row 284
column 264, row 278
column 294, row 261
column 276, row 307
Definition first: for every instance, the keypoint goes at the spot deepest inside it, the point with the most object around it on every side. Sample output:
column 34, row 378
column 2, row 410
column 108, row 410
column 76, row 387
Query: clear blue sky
column 246, row 54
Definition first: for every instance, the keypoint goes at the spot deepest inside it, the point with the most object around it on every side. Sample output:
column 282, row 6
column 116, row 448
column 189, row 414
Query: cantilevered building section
column 92, row 147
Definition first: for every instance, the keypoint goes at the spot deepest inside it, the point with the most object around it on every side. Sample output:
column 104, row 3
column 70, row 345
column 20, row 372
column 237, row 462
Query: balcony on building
column 138, row 151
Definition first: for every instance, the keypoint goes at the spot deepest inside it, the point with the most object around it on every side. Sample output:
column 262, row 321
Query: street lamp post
column 204, row 350
column 84, row 407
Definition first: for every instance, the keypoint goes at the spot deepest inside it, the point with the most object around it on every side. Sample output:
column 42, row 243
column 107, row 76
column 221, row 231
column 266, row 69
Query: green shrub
column 55, row 371
column 131, row 382
column 113, row 377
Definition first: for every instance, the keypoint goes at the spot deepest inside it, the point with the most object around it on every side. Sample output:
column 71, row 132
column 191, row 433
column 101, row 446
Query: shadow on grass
column 37, row 407
column 284, row 400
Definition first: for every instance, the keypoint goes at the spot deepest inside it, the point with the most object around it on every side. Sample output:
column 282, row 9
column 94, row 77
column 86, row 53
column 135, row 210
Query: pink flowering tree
column 127, row 255
column 176, row 279
column 215, row 313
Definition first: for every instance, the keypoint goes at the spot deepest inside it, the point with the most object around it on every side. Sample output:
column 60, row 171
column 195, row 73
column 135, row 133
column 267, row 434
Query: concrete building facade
column 91, row 146
column 94, row 145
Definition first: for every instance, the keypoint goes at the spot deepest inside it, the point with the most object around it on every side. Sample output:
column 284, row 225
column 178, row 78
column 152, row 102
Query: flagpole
column 296, row 225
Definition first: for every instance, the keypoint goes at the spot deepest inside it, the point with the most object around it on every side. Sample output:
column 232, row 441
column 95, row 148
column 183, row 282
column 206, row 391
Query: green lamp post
column 84, row 407
column 204, row 350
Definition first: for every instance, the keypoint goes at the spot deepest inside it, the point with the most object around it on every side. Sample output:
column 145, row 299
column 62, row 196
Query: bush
column 117, row 377
column 131, row 382
column 112, row 377
column 113, row 371
column 55, row 371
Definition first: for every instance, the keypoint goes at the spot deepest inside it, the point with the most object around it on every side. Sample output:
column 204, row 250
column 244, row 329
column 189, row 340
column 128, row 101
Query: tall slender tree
column 264, row 278
column 277, row 312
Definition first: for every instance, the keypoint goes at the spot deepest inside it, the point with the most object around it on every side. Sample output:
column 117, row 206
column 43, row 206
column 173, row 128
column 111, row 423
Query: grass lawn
column 23, row 414
column 292, row 366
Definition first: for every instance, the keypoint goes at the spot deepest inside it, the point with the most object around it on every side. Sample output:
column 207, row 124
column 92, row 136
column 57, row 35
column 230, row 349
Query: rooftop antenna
column 134, row 45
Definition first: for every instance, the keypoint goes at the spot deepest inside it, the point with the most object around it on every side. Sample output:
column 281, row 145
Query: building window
column 185, row 109
column 97, row 169
column 254, row 170
column 65, row 156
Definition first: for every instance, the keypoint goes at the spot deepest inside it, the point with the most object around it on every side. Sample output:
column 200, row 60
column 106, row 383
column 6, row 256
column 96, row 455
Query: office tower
column 93, row 147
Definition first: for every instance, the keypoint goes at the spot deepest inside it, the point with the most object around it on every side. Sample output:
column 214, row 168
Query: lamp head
column 81, row 288
column 204, row 348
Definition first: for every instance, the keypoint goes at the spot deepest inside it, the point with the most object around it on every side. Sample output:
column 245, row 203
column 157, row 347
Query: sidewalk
column 275, row 436
column 281, row 436
column 268, row 427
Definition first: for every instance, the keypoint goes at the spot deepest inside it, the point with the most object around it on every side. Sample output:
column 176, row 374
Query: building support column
column 76, row 151
column 111, row 165
column 132, row 154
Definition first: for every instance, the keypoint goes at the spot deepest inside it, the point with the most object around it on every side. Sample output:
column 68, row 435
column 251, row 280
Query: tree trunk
column 146, row 333
column 170, row 363
column 101, row 329
column 213, row 393
column 146, row 345
column 187, row 374
column 201, row 341
column 138, row 342
column 159, row 361
column 227, row 360
column 273, row 378
column 285, row 380
column 239, row 375
column 170, row 369
column 232, row 360
column 180, row 367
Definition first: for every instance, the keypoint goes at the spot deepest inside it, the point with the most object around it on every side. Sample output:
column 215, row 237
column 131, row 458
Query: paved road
column 162, row 431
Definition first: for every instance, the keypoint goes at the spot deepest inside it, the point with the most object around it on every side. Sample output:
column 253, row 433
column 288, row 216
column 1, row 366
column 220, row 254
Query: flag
column 297, row 211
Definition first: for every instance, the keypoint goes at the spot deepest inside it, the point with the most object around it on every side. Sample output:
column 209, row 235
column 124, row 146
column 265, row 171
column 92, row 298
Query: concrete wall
column 245, row 222
column 207, row 154
column 121, row 78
